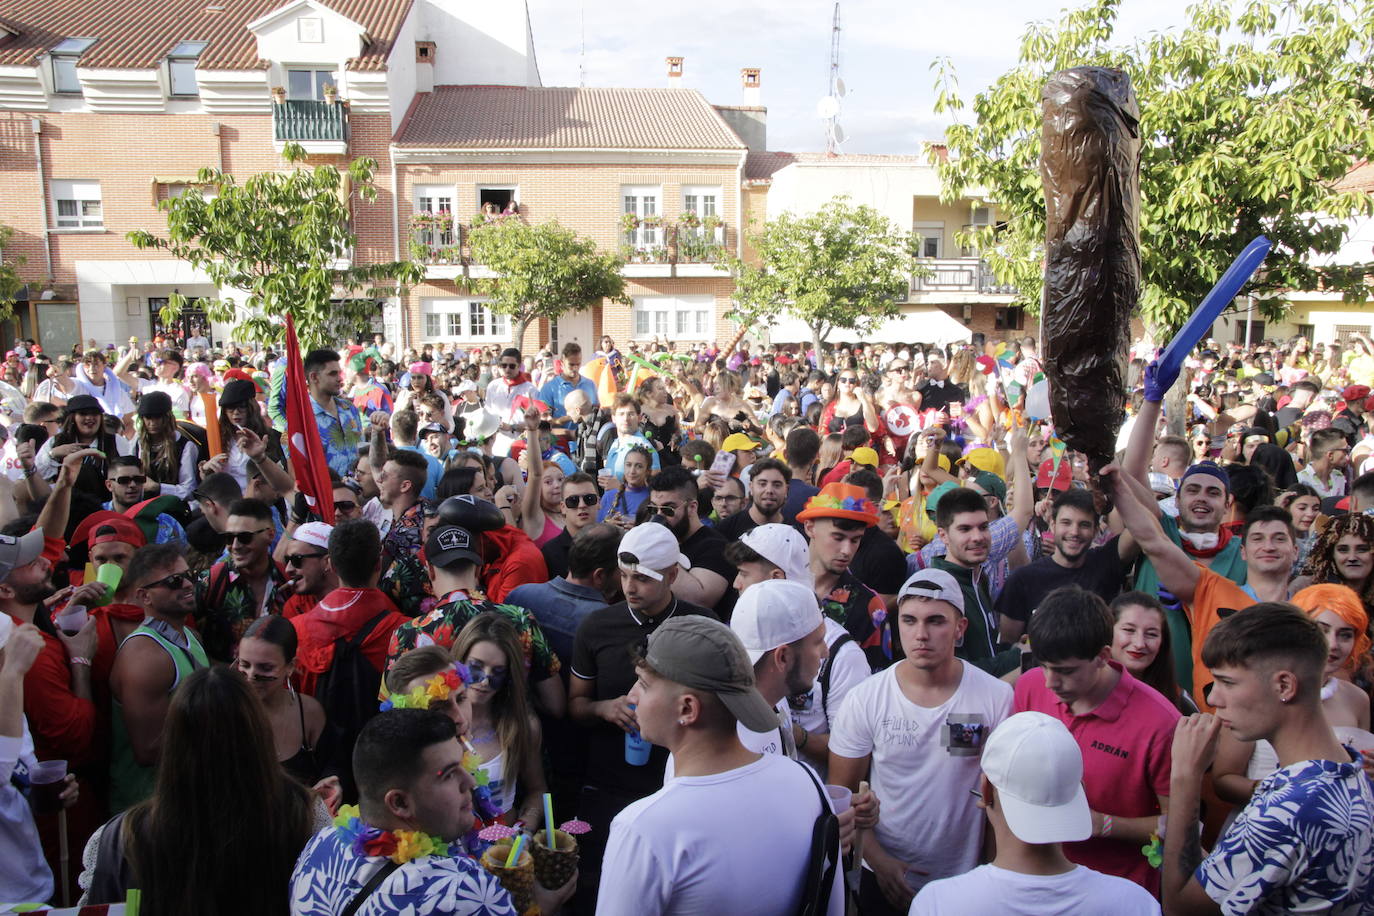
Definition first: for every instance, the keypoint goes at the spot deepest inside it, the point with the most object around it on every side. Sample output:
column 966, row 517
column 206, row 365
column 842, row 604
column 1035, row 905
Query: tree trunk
column 816, row 339
column 521, row 325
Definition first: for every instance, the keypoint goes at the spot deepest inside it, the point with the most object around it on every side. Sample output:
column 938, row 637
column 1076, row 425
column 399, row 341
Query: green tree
column 284, row 239
column 841, row 267
column 10, row 281
column 1250, row 116
column 542, row 271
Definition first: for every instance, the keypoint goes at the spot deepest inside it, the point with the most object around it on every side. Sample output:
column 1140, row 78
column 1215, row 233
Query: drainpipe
column 37, row 127
column 396, row 240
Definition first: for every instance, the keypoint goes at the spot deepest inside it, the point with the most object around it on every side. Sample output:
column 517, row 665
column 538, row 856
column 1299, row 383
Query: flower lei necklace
column 400, row 846
column 439, row 688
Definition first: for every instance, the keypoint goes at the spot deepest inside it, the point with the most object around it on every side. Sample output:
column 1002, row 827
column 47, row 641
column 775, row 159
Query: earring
column 681, row 721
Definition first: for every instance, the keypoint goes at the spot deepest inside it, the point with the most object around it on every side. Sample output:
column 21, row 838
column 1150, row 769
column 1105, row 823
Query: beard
column 34, row 592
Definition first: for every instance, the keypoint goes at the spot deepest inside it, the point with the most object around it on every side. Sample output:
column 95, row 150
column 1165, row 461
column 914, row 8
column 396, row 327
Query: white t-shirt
column 929, row 818
column 769, row 742
column 181, row 398
column 989, row 889
column 848, row 669
column 705, row 844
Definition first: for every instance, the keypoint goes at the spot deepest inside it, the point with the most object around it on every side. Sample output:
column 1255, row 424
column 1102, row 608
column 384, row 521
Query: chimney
column 749, row 78
column 674, row 73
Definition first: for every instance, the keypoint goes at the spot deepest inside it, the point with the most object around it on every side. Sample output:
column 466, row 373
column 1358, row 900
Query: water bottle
column 636, row 748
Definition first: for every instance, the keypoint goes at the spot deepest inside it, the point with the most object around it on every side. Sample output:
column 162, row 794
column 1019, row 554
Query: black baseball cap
column 450, row 544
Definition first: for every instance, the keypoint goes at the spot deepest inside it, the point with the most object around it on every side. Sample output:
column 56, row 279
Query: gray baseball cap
column 704, row 654
column 17, row 552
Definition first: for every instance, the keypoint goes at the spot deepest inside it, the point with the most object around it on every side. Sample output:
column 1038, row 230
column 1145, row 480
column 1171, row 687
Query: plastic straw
column 548, row 819
column 515, row 851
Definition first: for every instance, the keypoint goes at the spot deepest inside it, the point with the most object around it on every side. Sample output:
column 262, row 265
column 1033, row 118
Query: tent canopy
column 916, row 324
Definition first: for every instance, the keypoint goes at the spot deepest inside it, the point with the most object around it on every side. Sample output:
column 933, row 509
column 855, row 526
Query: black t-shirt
column 798, row 492
column 555, row 552
column 736, row 525
column 938, row 397
column 1102, row 573
column 602, row 652
column 706, row 550
column 879, row 563
column 1287, row 416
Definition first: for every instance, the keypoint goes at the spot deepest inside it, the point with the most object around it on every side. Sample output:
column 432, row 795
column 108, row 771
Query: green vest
column 130, row 781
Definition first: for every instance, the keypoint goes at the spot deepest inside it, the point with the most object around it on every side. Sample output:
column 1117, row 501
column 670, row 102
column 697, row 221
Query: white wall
column 341, row 39
column 480, row 42
column 889, row 189
column 400, row 67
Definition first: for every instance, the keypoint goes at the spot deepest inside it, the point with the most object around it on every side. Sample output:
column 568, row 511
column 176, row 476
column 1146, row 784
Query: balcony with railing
column 319, row 126
column 966, row 276
column 653, row 247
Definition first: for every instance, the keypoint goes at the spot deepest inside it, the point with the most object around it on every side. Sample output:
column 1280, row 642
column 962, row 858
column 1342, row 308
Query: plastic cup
column 554, row 868
column 48, row 779
column 636, row 749
column 518, row 880
column 110, row 575
column 841, row 798
column 72, row 619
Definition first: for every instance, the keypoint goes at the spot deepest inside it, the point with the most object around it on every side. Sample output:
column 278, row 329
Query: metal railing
column 958, row 275
column 309, row 119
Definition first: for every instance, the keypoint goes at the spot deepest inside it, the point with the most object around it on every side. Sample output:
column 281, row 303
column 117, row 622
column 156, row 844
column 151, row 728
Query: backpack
column 827, row 666
column 819, row 881
column 348, row 692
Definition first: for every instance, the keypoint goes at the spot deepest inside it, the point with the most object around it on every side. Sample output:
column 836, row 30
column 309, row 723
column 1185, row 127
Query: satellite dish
column 839, row 134
column 828, row 107
column 839, row 87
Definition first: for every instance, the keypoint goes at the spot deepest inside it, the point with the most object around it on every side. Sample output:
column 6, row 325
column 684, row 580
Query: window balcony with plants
column 644, row 240
column 435, row 238
column 699, row 239
column 692, row 246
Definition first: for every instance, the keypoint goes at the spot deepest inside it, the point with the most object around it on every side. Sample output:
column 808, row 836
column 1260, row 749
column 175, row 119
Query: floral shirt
column 225, row 606
column 440, row 628
column 403, row 575
column 340, row 435
column 330, row 873
column 859, row 610
column 1302, row 845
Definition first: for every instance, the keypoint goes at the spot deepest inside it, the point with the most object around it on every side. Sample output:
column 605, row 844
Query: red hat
column 237, row 373
column 1048, row 478
column 1355, row 393
column 841, row 500
column 104, row 526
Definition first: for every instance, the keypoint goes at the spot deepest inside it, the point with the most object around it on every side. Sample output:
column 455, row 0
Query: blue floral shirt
column 1302, row 845
column 340, row 436
column 329, row 874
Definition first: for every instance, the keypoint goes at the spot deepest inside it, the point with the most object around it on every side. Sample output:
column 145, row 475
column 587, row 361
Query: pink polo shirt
column 1127, row 745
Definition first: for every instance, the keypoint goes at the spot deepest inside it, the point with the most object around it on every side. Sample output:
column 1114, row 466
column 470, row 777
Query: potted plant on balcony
column 629, row 222
column 278, row 95
column 689, row 219
column 331, row 93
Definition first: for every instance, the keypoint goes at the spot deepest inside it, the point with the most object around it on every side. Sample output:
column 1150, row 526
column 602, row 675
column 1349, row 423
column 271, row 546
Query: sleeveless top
column 551, row 531
column 130, row 781
column 502, row 788
column 302, row 765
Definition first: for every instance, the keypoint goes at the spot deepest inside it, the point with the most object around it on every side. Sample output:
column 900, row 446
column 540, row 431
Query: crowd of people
column 771, row 631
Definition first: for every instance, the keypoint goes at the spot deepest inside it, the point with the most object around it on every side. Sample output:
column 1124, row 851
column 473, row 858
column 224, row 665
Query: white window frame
column 64, row 59
column 930, row 231
column 428, row 198
column 692, row 199
column 452, row 320
column 642, row 201
column 682, row 318
column 182, row 60
column 83, row 194
column 317, row 85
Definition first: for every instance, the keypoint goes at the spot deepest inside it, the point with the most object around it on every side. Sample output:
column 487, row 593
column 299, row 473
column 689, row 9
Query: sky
column 886, row 49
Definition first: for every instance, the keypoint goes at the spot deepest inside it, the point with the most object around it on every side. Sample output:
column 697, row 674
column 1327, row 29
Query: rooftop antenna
column 828, row 108
column 582, row 57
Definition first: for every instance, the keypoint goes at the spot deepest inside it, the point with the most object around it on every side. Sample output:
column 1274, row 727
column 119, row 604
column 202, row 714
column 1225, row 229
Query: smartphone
column 724, row 463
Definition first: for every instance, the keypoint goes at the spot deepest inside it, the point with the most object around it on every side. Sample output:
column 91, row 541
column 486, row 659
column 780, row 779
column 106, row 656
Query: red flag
column 303, row 434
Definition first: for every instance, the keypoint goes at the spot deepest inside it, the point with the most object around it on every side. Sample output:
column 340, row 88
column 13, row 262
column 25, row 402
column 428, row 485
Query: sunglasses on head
column 297, row 560
column 244, row 537
column 586, row 499
column 175, row 580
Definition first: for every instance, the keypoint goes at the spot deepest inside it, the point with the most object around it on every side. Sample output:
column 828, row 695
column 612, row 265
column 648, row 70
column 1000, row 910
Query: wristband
column 806, row 736
column 1106, row 825
column 80, row 660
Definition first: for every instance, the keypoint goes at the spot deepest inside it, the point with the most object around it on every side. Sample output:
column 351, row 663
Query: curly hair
column 1321, row 561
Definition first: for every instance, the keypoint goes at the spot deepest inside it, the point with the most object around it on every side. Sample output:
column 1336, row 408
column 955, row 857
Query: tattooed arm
column 1195, row 744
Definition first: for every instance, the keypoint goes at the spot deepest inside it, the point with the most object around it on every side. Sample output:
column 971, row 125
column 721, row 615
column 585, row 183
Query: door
column 575, row 326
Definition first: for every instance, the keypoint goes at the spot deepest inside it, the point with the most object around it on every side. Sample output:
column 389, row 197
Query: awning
column 916, row 324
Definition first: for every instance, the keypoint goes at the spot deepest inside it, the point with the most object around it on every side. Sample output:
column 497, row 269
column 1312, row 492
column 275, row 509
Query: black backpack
column 825, row 856
column 348, row 692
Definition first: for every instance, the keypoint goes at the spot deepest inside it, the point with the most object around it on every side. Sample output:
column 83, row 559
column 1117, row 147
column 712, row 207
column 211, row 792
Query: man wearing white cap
column 305, row 555
column 1031, row 790
column 919, row 725
column 603, row 673
column 778, row 552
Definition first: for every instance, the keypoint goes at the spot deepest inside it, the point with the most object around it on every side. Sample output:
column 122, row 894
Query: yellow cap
column 987, row 459
column 738, row 442
column 864, row 455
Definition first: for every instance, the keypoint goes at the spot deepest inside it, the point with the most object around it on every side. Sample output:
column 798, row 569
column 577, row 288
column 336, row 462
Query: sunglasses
column 666, row 511
column 345, row 505
column 244, row 537
column 847, row 381
column 297, row 560
column 139, row 479
column 586, row 499
column 495, row 678
column 510, row 366
column 175, row 580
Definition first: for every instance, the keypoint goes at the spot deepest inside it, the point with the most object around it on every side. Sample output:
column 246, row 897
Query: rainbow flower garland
column 400, row 846
column 439, row 688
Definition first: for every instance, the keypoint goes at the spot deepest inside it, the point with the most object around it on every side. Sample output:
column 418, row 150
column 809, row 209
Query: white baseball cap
column 935, row 584
column 785, row 548
column 1037, row 769
column 466, row 384
column 316, row 534
column 774, row 613
column 649, row 548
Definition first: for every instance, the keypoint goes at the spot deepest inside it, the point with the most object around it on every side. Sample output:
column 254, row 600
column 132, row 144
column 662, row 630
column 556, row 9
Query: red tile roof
column 761, row 166
column 137, row 34
column 504, row 117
